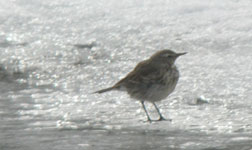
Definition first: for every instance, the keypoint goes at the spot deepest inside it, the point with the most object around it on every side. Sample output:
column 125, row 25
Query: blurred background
column 54, row 54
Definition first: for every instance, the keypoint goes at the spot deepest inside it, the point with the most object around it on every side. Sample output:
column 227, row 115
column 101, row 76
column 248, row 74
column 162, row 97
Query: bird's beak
column 180, row 54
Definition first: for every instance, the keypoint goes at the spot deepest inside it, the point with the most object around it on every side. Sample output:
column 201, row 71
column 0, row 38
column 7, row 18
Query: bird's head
column 165, row 57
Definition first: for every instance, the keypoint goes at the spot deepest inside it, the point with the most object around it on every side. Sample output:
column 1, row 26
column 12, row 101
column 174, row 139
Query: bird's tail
column 105, row 90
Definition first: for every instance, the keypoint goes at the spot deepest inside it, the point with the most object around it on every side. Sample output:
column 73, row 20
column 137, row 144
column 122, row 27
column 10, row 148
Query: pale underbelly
column 154, row 93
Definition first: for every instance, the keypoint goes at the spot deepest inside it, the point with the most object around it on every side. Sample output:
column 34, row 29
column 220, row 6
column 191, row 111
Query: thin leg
column 148, row 117
column 160, row 115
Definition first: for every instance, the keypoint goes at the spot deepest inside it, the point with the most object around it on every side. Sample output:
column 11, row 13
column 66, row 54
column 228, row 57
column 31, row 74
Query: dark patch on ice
column 10, row 80
column 22, row 44
column 8, row 76
column 5, row 44
column 214, row 148
column 82, row 46
column 200, row 101
column 80, row 62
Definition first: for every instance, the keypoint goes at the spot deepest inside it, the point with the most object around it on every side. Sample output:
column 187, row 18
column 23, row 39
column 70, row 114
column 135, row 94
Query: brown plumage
column 151, row 80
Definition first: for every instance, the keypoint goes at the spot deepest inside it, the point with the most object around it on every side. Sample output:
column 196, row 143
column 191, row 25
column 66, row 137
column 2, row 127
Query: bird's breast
column 161, row 91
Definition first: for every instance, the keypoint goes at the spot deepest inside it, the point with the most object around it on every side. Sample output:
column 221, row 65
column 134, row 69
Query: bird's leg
column 160, row 115
column 148, row 117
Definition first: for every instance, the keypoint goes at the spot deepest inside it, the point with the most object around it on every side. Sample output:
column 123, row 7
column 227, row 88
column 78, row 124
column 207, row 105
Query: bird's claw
column 163, row 119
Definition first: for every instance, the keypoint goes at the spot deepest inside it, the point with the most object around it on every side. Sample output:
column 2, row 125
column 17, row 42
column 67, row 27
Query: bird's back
column 150, row 81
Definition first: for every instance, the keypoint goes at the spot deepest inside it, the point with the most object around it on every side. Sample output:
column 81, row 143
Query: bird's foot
column 149, row 120
column 161, row 118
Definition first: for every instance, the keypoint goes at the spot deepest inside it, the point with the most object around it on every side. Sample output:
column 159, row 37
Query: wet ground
column 54, row 54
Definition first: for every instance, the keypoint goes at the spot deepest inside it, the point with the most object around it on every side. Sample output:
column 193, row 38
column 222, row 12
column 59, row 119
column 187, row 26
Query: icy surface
column 54, row 54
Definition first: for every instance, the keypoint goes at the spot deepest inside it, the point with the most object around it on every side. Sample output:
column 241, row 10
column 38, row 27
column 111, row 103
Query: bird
column 152, row 80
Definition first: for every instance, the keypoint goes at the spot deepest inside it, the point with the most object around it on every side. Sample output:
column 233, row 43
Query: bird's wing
column 144, row 73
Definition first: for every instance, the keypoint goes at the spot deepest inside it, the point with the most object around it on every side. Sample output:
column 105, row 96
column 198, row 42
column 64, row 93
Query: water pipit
column 151, row 80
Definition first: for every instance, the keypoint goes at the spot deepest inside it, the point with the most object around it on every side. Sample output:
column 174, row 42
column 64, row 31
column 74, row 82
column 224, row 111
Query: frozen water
column 54, row 54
